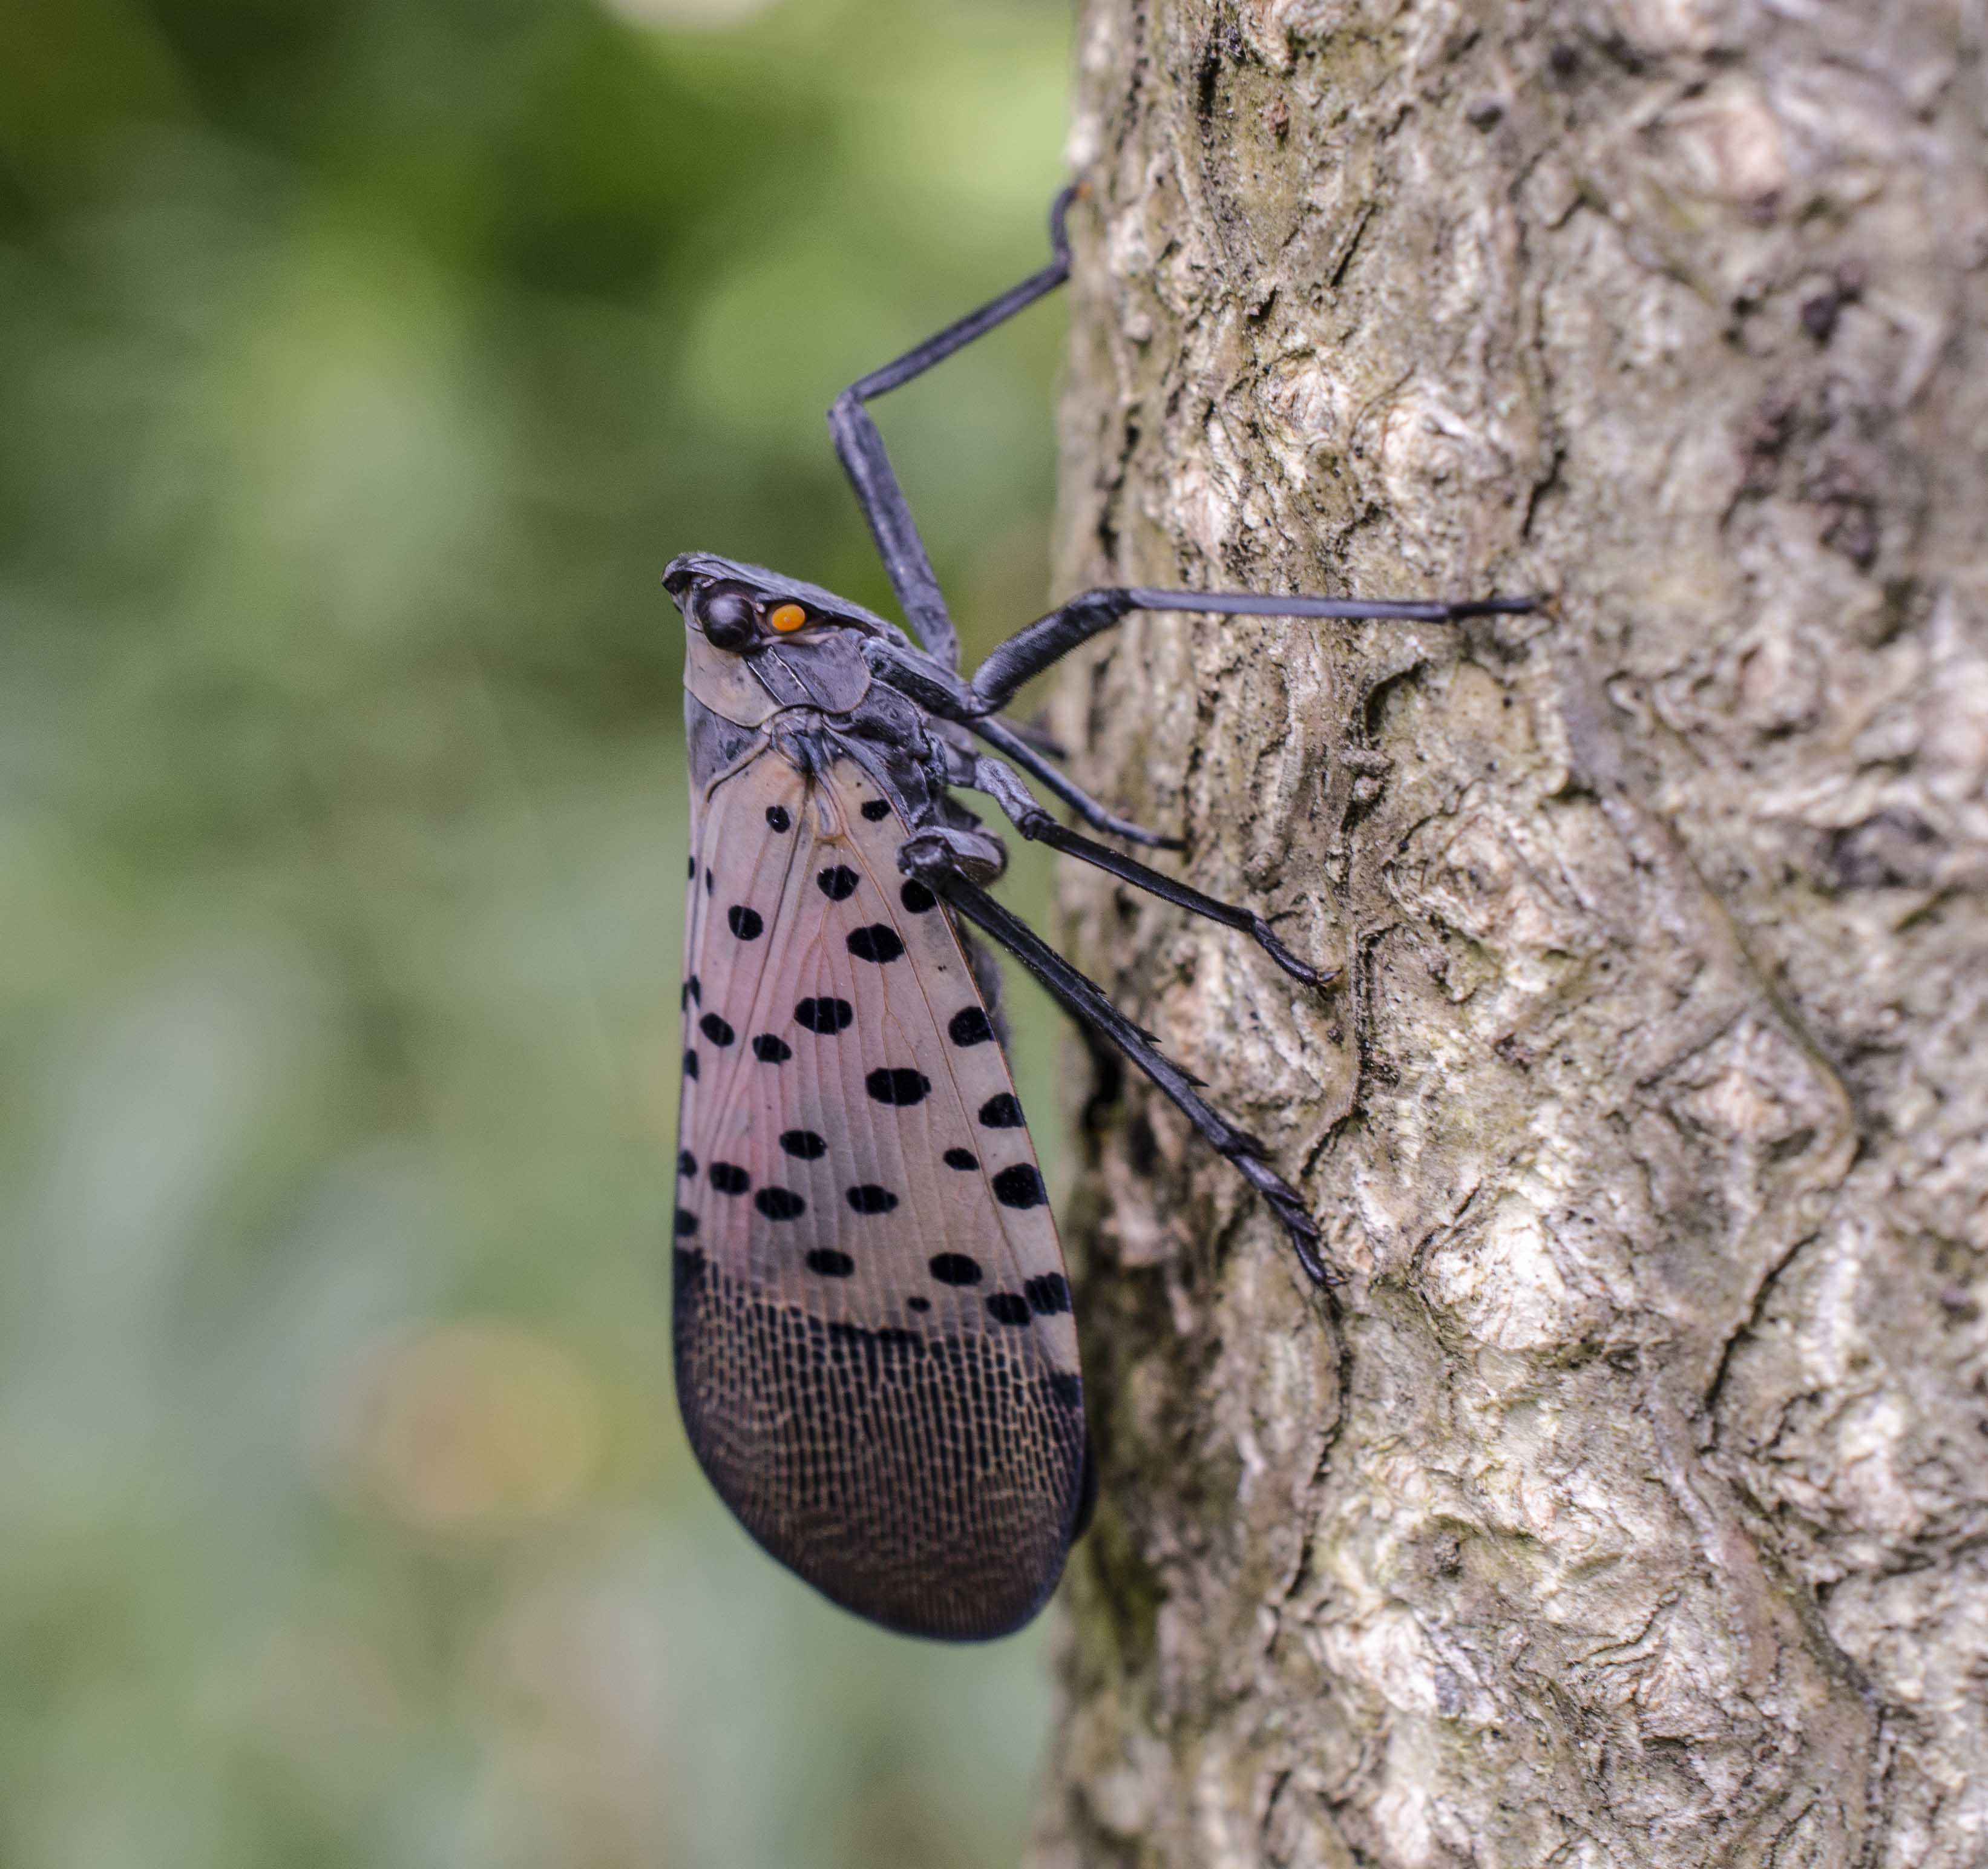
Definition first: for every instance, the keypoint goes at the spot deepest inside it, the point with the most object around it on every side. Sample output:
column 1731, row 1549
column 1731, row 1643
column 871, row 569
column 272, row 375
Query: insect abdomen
column 930, row 1482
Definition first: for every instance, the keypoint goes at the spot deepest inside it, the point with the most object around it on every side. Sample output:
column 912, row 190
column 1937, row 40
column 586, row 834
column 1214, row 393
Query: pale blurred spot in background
column 692, row 13
column 472, row 1426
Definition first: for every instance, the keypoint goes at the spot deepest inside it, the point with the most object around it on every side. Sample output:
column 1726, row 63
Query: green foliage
column 362, row 362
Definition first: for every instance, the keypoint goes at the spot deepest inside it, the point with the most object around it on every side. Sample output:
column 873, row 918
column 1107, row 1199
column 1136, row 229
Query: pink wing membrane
column 876, row 1359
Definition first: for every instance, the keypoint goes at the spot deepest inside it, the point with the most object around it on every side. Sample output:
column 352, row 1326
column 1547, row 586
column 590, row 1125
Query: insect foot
column 1302, row 1229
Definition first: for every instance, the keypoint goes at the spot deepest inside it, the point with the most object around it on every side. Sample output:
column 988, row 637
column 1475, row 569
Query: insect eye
column 728, row 619
column 787, row 618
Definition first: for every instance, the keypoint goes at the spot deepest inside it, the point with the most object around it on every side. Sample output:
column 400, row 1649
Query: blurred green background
column 362, row 363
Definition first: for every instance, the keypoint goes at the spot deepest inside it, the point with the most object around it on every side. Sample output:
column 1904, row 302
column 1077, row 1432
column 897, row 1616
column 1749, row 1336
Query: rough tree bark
column 1630, row 1505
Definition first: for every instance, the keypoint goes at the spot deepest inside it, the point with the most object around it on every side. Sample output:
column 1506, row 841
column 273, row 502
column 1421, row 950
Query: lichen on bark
column 1629, row 1505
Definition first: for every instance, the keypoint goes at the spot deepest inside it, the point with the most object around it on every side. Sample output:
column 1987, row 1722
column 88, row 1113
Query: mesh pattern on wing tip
column 927, row 1481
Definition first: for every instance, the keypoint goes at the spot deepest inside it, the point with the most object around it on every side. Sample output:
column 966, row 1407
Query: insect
column 876, row 1358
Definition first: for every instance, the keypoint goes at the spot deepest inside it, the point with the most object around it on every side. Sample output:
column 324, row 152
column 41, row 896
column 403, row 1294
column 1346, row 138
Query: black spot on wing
column 690, row 1064
column 728, row 1178
column 1049, row 1292
column 1020, row 1186
column 917, row 1304
column 686, row 1223
column 804, row 1144
column 1002, row 1112
column 969, row 1026
column 1008, row 1308
column 837, row 882
column 827, row 1015
column 954, row 1269
column 716, row 1029
column 902, row 1086
column 829, row 1263
column 916, row 897
column 692, row 877
column 877, row 942
column 869, row 1198
column 780, row 1203
column 960, row 1158
column 747, row 923
column 769, row 1049
column 686, row 1162
column 875, row 809
column 776, row 815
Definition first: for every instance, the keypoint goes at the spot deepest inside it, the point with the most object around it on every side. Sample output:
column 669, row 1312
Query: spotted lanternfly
column 875, row 1353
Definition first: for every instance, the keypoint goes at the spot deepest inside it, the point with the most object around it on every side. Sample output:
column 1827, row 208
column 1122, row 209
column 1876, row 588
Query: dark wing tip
column 931, row 1484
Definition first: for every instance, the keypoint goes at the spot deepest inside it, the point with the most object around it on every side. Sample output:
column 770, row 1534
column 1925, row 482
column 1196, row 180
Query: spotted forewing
column 875, row 1355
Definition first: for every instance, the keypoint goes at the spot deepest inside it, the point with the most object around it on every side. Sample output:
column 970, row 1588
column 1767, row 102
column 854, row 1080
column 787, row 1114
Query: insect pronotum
column 875, row 1354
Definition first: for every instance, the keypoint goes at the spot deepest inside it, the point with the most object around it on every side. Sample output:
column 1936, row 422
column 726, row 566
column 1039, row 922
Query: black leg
column 1028, row 651
column 861, row 447
column 1028, row 817
column 997, row 735
column 939, row 691
column 1037, row 738
column 1086, row 1003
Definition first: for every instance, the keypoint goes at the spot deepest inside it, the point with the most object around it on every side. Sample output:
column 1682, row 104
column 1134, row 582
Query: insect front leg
column 1028, row 817
column 1030, row 651
column 868, row 466
column 927, row 859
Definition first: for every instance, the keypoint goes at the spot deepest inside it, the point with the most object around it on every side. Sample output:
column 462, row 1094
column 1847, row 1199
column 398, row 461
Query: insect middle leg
column 1098, row 817
column 940, row 690
column 1028, row 817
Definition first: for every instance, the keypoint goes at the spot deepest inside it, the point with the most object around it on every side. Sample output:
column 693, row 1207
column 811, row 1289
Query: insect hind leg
column 1037, row 738
column 1085, row 1001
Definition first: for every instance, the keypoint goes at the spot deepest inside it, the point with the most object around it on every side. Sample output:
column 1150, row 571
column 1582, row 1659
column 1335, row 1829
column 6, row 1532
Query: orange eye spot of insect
column 787, row 618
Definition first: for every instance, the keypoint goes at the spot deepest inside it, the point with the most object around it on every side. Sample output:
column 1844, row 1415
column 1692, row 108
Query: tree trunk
column 1629, row 1505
